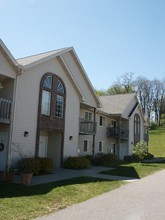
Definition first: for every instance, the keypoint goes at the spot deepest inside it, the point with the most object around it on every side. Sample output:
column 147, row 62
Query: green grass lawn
column 22, row 202
column 136, row 170
column 157, row 142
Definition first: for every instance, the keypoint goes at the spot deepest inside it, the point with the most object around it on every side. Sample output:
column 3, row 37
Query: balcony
column 5, row 111
column 117, row 132
column 87, row 127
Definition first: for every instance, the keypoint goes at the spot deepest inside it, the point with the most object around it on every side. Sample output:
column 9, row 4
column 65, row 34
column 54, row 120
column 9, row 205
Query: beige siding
column 78, row 77
column 8, row 88
column 5, row 67
column 27, row 108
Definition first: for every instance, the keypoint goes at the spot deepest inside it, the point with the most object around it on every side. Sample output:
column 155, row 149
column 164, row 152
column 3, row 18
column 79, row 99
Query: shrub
column 153, row 125
column 46, row 164
column 140, row 149
column 29, row 165
column 103, row 159
column 89, row 157
column 76, row 162
column 131, row 158
column 148, row 156
column 35, row 165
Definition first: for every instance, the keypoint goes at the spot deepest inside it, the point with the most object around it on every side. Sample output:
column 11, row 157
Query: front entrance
column 50, row 145
column 3, row 150
column 43, row 145
column 123, row 150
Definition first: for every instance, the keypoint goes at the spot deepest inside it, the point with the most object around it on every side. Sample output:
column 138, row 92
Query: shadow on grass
column 9, row 190
column 125, row 171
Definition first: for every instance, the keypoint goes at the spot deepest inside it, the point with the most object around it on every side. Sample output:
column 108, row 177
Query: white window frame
column 102, row 121
column 88, row 116
column 102, row 145
column 59, row 106
column 46, row 102
column 89, row 145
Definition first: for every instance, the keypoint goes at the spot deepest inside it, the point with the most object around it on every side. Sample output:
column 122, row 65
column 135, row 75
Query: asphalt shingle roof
column 116, row 104
column 34, row 58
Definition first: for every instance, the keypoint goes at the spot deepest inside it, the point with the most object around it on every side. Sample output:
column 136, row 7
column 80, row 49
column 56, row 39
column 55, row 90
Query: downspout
column 93, row 145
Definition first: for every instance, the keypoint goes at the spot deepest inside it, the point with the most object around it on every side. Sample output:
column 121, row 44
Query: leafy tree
column 101, row 92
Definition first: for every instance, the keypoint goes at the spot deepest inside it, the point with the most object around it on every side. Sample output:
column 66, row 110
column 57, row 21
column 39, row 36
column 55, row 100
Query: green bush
column 103, row 159
column 76, row 163
column 153, row 125
column 35, row 165
column 46, row 165
column 140, row 150
column 89, row 157
column 29, row 165
column 148, row 156
column 131, row 158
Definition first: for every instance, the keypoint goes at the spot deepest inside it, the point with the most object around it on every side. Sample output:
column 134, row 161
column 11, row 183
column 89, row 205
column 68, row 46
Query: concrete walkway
column 141, row 200
column 61, row 174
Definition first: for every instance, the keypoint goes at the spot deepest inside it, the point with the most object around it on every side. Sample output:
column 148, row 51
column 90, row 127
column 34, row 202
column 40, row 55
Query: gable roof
column 33, row 60
column 116, row 104
column 8, row 54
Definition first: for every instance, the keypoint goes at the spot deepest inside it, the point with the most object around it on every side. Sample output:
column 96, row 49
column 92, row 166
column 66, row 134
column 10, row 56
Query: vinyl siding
column 8, row 88
column 26, row 112
column 5, row 67
column 78, row 77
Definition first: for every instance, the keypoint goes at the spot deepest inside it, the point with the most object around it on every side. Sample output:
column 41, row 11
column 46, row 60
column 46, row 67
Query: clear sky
column 111, row 37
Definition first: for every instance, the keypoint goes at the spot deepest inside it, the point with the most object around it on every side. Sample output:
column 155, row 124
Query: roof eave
column 10, row 56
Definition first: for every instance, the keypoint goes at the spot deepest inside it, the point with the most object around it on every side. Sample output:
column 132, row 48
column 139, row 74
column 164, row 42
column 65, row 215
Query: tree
column 144, row 90
column 123, row 85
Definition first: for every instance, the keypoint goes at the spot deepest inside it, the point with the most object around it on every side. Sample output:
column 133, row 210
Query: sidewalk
column 61, row 174
column 140, row 200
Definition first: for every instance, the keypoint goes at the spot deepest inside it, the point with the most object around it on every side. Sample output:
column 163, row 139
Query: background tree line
column 151, row 94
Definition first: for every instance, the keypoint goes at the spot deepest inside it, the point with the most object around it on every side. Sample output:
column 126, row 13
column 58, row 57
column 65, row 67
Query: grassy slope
column 157, row 142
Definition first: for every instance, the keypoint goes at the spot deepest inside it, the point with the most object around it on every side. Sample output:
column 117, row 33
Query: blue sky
column 111, row 37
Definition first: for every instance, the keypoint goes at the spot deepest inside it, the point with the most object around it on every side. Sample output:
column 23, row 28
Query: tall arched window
column 53, row 96
column 136, row 129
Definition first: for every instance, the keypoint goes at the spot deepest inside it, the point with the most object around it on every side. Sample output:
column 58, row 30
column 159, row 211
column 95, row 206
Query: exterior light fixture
column 26, row 133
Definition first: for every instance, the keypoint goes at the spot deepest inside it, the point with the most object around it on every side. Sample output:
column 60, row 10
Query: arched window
column 136, row 129
column 53, row 96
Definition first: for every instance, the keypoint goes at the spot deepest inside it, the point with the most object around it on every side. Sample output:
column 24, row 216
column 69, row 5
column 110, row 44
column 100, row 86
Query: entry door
column 3, row 153
column 123, row 150
column 43, row 146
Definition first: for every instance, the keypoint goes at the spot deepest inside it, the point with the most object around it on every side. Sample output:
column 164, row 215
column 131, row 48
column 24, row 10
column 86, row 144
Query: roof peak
column 46, row 52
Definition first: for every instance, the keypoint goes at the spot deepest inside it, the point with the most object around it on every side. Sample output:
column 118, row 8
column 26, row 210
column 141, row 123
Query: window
column 48, row 82
column 100, row 146
column 102, row 121
column 53, row 96
column 87, row 145
column 45, row 108
column 114, row 123
column 88, row 116
column 59, row 106
column 60, row 88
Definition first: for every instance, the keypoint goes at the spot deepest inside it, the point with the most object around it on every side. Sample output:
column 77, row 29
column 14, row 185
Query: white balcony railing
column 5, row 110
